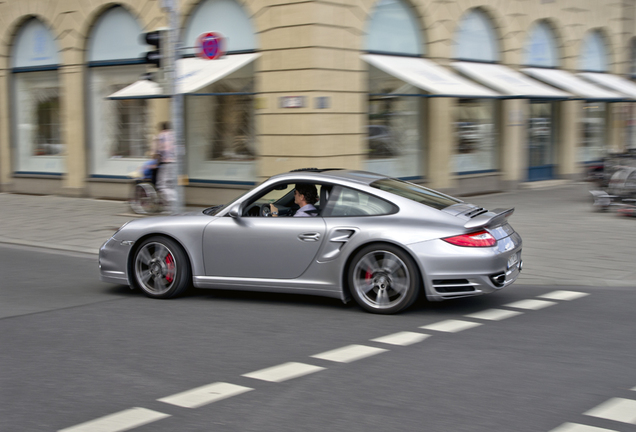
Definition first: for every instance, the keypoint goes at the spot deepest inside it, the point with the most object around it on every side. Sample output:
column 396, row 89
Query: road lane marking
column 563, row 295
column 204, row 395
column 402, row 338
column 118, row 422
column 451, row 326
column 283, row 372
column 617, row 409
column 530, row 304
column 494, row 314
column 575, row 427
column 349, row 353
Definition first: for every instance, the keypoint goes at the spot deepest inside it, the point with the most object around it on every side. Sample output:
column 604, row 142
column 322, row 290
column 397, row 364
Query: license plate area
column 513, row 261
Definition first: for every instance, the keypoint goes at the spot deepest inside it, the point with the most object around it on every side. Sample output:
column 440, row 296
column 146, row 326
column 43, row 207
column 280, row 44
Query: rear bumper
column 453, row 272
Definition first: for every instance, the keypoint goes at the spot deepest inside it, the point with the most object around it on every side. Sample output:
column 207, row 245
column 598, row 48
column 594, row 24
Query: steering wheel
column 266, row 211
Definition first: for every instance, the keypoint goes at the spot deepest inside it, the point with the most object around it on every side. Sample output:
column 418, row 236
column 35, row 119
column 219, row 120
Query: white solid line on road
column 349, row 353
column 451, row 326
column 575, row 427
column 204, row 395
column 118, row 422
column 617, row 409
column 530, row 304
column 402, row 338
column 494, row 314
column 563, row 295
column 283, row 372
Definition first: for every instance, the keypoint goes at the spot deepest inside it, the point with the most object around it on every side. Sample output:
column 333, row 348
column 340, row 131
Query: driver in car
column 305, row 195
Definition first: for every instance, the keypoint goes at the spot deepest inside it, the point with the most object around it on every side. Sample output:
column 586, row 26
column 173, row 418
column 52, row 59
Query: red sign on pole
column 211, row 45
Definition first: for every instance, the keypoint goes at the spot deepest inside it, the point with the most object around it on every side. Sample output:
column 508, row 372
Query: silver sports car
column 377, row 239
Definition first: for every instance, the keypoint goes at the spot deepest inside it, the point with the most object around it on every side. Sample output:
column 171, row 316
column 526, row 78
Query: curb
column 61, row 248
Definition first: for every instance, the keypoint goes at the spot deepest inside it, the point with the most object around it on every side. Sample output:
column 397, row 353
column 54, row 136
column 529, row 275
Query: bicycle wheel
column 144, row 199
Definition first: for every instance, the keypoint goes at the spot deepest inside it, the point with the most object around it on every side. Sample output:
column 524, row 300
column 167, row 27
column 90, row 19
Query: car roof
column 332, row 174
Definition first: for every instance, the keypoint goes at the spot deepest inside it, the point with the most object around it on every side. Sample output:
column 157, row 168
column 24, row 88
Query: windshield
column 415, row 193
column 212, row 211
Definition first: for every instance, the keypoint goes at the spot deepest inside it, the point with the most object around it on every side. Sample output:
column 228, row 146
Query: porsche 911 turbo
column 379, row 240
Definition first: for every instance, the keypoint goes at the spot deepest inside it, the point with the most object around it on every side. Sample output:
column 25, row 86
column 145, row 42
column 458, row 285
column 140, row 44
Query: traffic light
column 155, row 39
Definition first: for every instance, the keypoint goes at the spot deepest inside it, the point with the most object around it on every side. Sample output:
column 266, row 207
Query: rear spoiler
column 491, row 219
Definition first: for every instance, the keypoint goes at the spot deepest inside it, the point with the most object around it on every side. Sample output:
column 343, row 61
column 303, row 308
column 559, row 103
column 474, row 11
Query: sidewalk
column 565, row 241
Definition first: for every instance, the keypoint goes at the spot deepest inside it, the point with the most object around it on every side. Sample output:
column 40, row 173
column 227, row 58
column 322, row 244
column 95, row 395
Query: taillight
column 477, row 239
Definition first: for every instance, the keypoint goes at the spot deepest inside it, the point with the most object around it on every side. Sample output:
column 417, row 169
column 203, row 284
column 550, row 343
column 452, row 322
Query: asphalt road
column 75, row 350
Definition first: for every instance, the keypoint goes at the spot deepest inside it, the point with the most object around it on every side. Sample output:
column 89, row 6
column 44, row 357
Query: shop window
column 47, row 120
column 130, row 131
column 475, row 136
column 540, row 127
column 593, row 143
column 232, row 137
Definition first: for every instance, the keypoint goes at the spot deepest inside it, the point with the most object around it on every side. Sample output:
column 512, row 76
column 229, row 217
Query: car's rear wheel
column 161, row 268
column 383, row 279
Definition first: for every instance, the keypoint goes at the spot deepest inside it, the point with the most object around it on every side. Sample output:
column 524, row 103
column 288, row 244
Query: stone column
column 513, row 119
column 73, row 120
column 439, row 143
column 5, row 148
column 568, row 138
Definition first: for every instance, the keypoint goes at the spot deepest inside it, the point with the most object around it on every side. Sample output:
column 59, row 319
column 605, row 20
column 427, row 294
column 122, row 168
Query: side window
column 350, row 202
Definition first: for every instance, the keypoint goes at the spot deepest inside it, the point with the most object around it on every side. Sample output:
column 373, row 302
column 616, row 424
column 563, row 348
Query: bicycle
column 144, row 196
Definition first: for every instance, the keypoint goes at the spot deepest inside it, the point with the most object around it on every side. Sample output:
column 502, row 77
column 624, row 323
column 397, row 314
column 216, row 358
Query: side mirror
column 234, row 211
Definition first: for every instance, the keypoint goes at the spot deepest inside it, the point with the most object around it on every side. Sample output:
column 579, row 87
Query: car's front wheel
column 161, row 268
column 383, row 279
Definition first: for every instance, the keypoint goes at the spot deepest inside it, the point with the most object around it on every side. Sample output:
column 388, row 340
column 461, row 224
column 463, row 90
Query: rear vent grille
column 476, row 212
column 452, row 285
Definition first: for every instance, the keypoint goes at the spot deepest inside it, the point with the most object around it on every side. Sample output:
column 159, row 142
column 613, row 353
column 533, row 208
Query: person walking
column 164, row 146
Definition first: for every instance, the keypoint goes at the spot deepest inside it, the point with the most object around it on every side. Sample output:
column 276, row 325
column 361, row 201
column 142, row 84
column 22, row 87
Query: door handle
column 309, row 237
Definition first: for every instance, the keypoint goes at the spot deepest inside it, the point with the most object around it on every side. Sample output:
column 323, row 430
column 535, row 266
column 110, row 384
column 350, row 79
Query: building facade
column 466, row 96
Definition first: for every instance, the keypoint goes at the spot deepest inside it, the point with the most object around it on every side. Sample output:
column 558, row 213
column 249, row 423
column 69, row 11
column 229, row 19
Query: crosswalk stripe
column 118, row 422
column 402, row 338
column 530, row 304
column 617, row 409
column 204, row 395
column 563, row 295
column 451, row 326
column 494, row 314
column 349, row 353
column 283, row 372
column 575, row 427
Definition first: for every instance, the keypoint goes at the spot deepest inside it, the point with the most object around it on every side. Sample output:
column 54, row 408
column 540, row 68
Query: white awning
column 508, row 81
column 573, row 84
column 614, row 82
column 428, row 76
column 193, row 75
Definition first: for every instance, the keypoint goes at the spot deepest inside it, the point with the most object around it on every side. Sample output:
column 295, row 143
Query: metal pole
column 173, row 49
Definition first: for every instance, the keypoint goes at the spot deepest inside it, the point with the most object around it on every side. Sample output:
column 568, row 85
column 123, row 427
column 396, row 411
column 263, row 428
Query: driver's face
column 297, row 197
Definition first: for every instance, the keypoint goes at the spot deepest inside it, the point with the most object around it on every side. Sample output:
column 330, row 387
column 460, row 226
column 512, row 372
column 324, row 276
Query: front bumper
column 113, row 258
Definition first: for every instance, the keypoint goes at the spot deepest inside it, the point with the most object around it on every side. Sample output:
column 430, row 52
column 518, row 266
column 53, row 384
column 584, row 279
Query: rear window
column 415, row 193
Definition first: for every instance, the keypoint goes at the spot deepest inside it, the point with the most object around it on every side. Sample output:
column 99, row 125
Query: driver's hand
column 274, row 210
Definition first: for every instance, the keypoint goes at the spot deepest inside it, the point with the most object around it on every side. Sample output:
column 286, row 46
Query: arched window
column 593, row 57
column 394, row 29
column 37, row 133
column 540, row 49
column 475, row 38
column 226, row 17
column 119, row 129
column 394, row 127
column 220, row 133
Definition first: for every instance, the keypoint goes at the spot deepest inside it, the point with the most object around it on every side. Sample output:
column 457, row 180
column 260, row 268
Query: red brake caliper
column 170, row 273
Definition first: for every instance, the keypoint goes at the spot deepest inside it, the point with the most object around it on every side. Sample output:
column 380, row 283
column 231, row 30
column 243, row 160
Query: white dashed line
column 121, row 421
column 349, row 353
column 284, row 372
column 530, row 304
column 402, row 338
column 494, row 314
column 574, row 427
column 563, row 295
column 204, row 395
column 617, row 409
column 451, row 326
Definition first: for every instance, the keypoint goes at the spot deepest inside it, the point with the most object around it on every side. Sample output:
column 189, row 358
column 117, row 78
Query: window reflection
column 592, row 146
column 475, row 136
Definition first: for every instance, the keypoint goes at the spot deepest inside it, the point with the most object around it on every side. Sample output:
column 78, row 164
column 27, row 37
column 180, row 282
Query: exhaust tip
column 498, row 280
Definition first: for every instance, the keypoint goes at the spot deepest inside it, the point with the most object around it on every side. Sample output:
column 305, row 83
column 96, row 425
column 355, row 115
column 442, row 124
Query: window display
column 475, row 136
column 592, row 146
